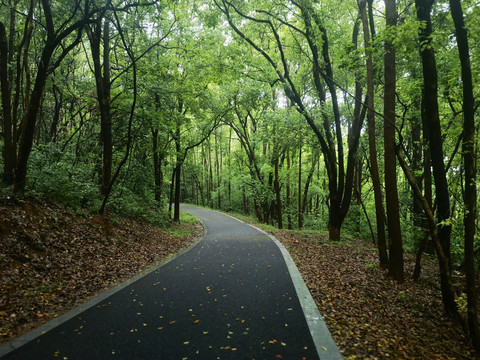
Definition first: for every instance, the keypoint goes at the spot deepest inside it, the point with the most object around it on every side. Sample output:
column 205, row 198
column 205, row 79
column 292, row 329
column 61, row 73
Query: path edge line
column 49, row 325
column 322, row 338
column 326, row 347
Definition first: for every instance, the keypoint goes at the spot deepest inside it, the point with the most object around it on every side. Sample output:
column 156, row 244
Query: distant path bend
column 230, row 297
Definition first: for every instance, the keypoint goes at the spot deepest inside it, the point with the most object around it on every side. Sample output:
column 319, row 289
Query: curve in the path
column 229, row 297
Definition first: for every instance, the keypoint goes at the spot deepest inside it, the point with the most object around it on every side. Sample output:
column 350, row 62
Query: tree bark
column 309, row 180
column 157, row 167
column 289, row 199
column 30, row 116
column 58, row 96
column 435, row 229
column 420, row 237
column 172, row 189
column 377, row 191
column 430, row 91
column 229, row 169
column 470, row 192
column 9, row 149
column 130, row 118
column 103, row 85
column 391, row 193
column 217, row 173
column 210, row 179
column 178, row 172
column 300, row 208
column 278, row 197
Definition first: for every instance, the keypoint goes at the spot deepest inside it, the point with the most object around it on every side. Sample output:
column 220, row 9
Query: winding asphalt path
column 231, row 296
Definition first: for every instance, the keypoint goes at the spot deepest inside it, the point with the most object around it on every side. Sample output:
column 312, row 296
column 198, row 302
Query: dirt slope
column 52, row 259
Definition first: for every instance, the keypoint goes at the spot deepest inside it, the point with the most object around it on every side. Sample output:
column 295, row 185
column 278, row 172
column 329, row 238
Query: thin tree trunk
column 158, row 173
column 58, row 96
column 229, row 169
column 277, row 193
column 470, row 194
column 130, row 120
column 244, row 202
column 289, row 200
column 178, row 173
column 30, row 117
column 102, row 81
column 172, row 188
column 210, row 181
column 308, row 182
column 300, row 215
column 379, row 211
column 9, row 149
column 430, row 91
column 435, row 229
column 420, row 238
column 391, row 192
column 217, row 168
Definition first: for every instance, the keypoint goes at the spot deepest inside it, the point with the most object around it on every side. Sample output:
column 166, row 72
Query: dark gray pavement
column 229, row 297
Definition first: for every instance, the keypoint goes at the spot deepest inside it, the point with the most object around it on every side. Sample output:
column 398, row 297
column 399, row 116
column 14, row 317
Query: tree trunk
column 157, row 167
column 391, row 192
column 172, row 189
column 178, row 173
column 130, row 120
column 377, row 191
column 433, row 226
column 102, row 81
column 308, row 182
column 436, row 146
column 289, row 200
column 30, row 117
column 334, row 225
column 58, row 95
column 229, row 169
column 9, row 148
column 300, row 208
column 277, row 194
column 244, row 201
column 470, row 193
column 217, row 171
column 420, row 237
column 210, row 179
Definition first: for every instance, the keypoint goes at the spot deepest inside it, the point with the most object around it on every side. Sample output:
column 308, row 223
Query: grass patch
column 186, row 218
column 184, row 228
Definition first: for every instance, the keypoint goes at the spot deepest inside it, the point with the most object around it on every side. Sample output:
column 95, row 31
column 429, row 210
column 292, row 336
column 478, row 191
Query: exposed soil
column 52, row 260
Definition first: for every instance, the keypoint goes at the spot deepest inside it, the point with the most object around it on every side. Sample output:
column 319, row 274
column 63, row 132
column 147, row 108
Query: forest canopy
column 355, row 117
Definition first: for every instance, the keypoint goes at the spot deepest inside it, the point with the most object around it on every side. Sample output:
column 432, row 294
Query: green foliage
column 53, row 175
column 186, row 218
column 126, row 202
column 194, row 71
column 462, row 305
column 178, row 230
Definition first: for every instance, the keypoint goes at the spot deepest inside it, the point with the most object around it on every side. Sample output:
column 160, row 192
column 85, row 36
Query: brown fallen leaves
column 369, row 315
column 52, row 260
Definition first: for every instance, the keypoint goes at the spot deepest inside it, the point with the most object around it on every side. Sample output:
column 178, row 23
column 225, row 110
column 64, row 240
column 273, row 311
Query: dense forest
column 353, row 117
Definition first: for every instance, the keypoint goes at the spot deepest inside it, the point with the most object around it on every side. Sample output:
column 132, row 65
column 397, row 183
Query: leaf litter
column 52, row 260
column 369, row 315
